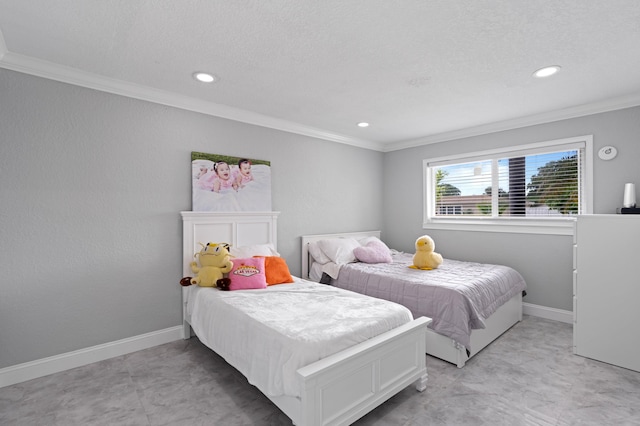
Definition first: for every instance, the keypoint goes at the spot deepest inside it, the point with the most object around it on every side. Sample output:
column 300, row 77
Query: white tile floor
column 527, row 377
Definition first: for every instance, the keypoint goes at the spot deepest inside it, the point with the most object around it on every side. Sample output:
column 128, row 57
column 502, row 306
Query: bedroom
column 92, row 184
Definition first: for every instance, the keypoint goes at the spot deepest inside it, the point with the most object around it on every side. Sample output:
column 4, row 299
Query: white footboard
column 340, row 389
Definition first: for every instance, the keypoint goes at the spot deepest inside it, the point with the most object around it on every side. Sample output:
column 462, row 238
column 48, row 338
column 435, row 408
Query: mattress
column 459, row 296
column 269, row 334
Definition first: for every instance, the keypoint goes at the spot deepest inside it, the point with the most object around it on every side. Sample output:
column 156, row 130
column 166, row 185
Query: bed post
column 186, row 328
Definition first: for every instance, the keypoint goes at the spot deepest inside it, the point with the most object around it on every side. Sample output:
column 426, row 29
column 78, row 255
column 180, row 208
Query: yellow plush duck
column 425, row 257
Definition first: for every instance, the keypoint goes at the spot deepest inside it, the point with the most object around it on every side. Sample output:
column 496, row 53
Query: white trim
column 55, row 364
column 553, row 314
column 52, row 71
column 515, row 226
column 613, row 104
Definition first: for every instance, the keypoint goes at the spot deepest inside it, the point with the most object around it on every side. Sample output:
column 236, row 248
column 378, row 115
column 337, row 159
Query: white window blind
column 537, row 181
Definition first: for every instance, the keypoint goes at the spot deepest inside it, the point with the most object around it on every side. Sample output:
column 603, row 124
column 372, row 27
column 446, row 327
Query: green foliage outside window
column 556, row 185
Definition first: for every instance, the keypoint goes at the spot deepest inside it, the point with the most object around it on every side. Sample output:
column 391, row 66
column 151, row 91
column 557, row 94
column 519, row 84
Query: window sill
column 515, row 226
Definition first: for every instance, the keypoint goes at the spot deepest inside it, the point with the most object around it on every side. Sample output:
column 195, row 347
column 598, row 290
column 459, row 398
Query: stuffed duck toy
column 425, row 257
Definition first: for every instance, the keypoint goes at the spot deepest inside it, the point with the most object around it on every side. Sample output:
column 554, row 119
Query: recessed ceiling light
column 204, row 77
column 363, row 124
column 547, row 71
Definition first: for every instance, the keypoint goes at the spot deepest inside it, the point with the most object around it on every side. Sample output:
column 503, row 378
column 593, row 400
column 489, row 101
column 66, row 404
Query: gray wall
column 545, row 261
column 91, row 189
column 91, row 186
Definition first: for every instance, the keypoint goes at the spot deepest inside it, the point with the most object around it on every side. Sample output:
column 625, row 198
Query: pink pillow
column 247, row 274
column 374, row 251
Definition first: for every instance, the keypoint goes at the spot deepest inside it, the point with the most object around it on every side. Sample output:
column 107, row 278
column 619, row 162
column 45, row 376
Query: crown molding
column 613, row 104
column 52, row 71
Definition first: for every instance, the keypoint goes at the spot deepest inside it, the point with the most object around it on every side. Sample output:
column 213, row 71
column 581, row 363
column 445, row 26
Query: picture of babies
column 205, row 179
column 224, row 183
column 203, row 170
column 225, row 179
column 244, row 173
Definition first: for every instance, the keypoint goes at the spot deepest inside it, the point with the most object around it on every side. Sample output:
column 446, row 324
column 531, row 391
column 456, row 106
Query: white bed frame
column 343, row 387
column 438, row 345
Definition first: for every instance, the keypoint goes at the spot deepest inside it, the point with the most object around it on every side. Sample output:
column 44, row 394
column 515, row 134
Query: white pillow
column 317, row 254
column 243, row 252
column 339, row 250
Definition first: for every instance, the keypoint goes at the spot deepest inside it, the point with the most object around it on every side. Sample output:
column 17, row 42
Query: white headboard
column 306, row 239
column 235, row 228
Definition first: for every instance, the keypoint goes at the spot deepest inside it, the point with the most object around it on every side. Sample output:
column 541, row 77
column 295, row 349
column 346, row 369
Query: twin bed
column 471, row 304
column 323, row 355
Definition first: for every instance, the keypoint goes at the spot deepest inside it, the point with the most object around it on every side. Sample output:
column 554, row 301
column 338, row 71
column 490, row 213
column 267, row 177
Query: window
column 531, row 188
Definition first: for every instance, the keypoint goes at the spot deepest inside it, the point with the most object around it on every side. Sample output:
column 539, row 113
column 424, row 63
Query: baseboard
column 55, row 364
column 548, row 313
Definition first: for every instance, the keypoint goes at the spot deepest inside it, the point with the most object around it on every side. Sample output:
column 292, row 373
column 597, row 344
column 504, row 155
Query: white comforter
column 269, row 334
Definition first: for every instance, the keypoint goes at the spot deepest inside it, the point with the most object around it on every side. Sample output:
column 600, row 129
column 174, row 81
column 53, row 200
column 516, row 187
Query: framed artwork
column 225, row 184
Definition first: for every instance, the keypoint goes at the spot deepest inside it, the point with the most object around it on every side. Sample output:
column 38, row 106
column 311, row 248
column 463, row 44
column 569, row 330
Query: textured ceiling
column 419, row 71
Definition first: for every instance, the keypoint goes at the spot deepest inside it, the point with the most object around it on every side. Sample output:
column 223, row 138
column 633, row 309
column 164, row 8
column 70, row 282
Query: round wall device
column 607, row 153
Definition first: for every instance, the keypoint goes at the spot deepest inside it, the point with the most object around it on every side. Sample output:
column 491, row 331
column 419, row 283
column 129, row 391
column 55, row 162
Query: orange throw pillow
column 276, row 270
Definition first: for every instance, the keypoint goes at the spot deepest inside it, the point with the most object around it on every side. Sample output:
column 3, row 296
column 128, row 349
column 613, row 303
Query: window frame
column 533, row 225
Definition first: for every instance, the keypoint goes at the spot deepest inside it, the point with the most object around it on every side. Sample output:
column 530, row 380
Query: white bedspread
column 269, row 334
column 458, row 295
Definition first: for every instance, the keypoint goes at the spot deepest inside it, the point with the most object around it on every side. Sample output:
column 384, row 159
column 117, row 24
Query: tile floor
column 527, row 377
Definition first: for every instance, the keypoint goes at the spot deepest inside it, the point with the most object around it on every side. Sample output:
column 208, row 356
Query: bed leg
column 460, row 357
column 421, row 383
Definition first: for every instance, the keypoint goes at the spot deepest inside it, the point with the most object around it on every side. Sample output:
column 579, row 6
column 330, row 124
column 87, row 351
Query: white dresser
column 606, row 289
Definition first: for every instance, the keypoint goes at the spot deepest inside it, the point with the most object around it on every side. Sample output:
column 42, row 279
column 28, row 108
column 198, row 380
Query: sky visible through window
column 474, row 178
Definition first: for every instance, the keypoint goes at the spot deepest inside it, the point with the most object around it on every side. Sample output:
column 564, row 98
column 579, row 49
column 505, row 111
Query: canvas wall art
column 226, row 184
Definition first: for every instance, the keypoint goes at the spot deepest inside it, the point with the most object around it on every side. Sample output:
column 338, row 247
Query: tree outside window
column 538, row 184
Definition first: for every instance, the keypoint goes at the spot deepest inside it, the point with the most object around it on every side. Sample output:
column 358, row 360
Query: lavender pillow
column 374, row 251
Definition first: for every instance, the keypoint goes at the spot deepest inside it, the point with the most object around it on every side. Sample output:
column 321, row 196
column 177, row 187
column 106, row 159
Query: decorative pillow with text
column 248, row 273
